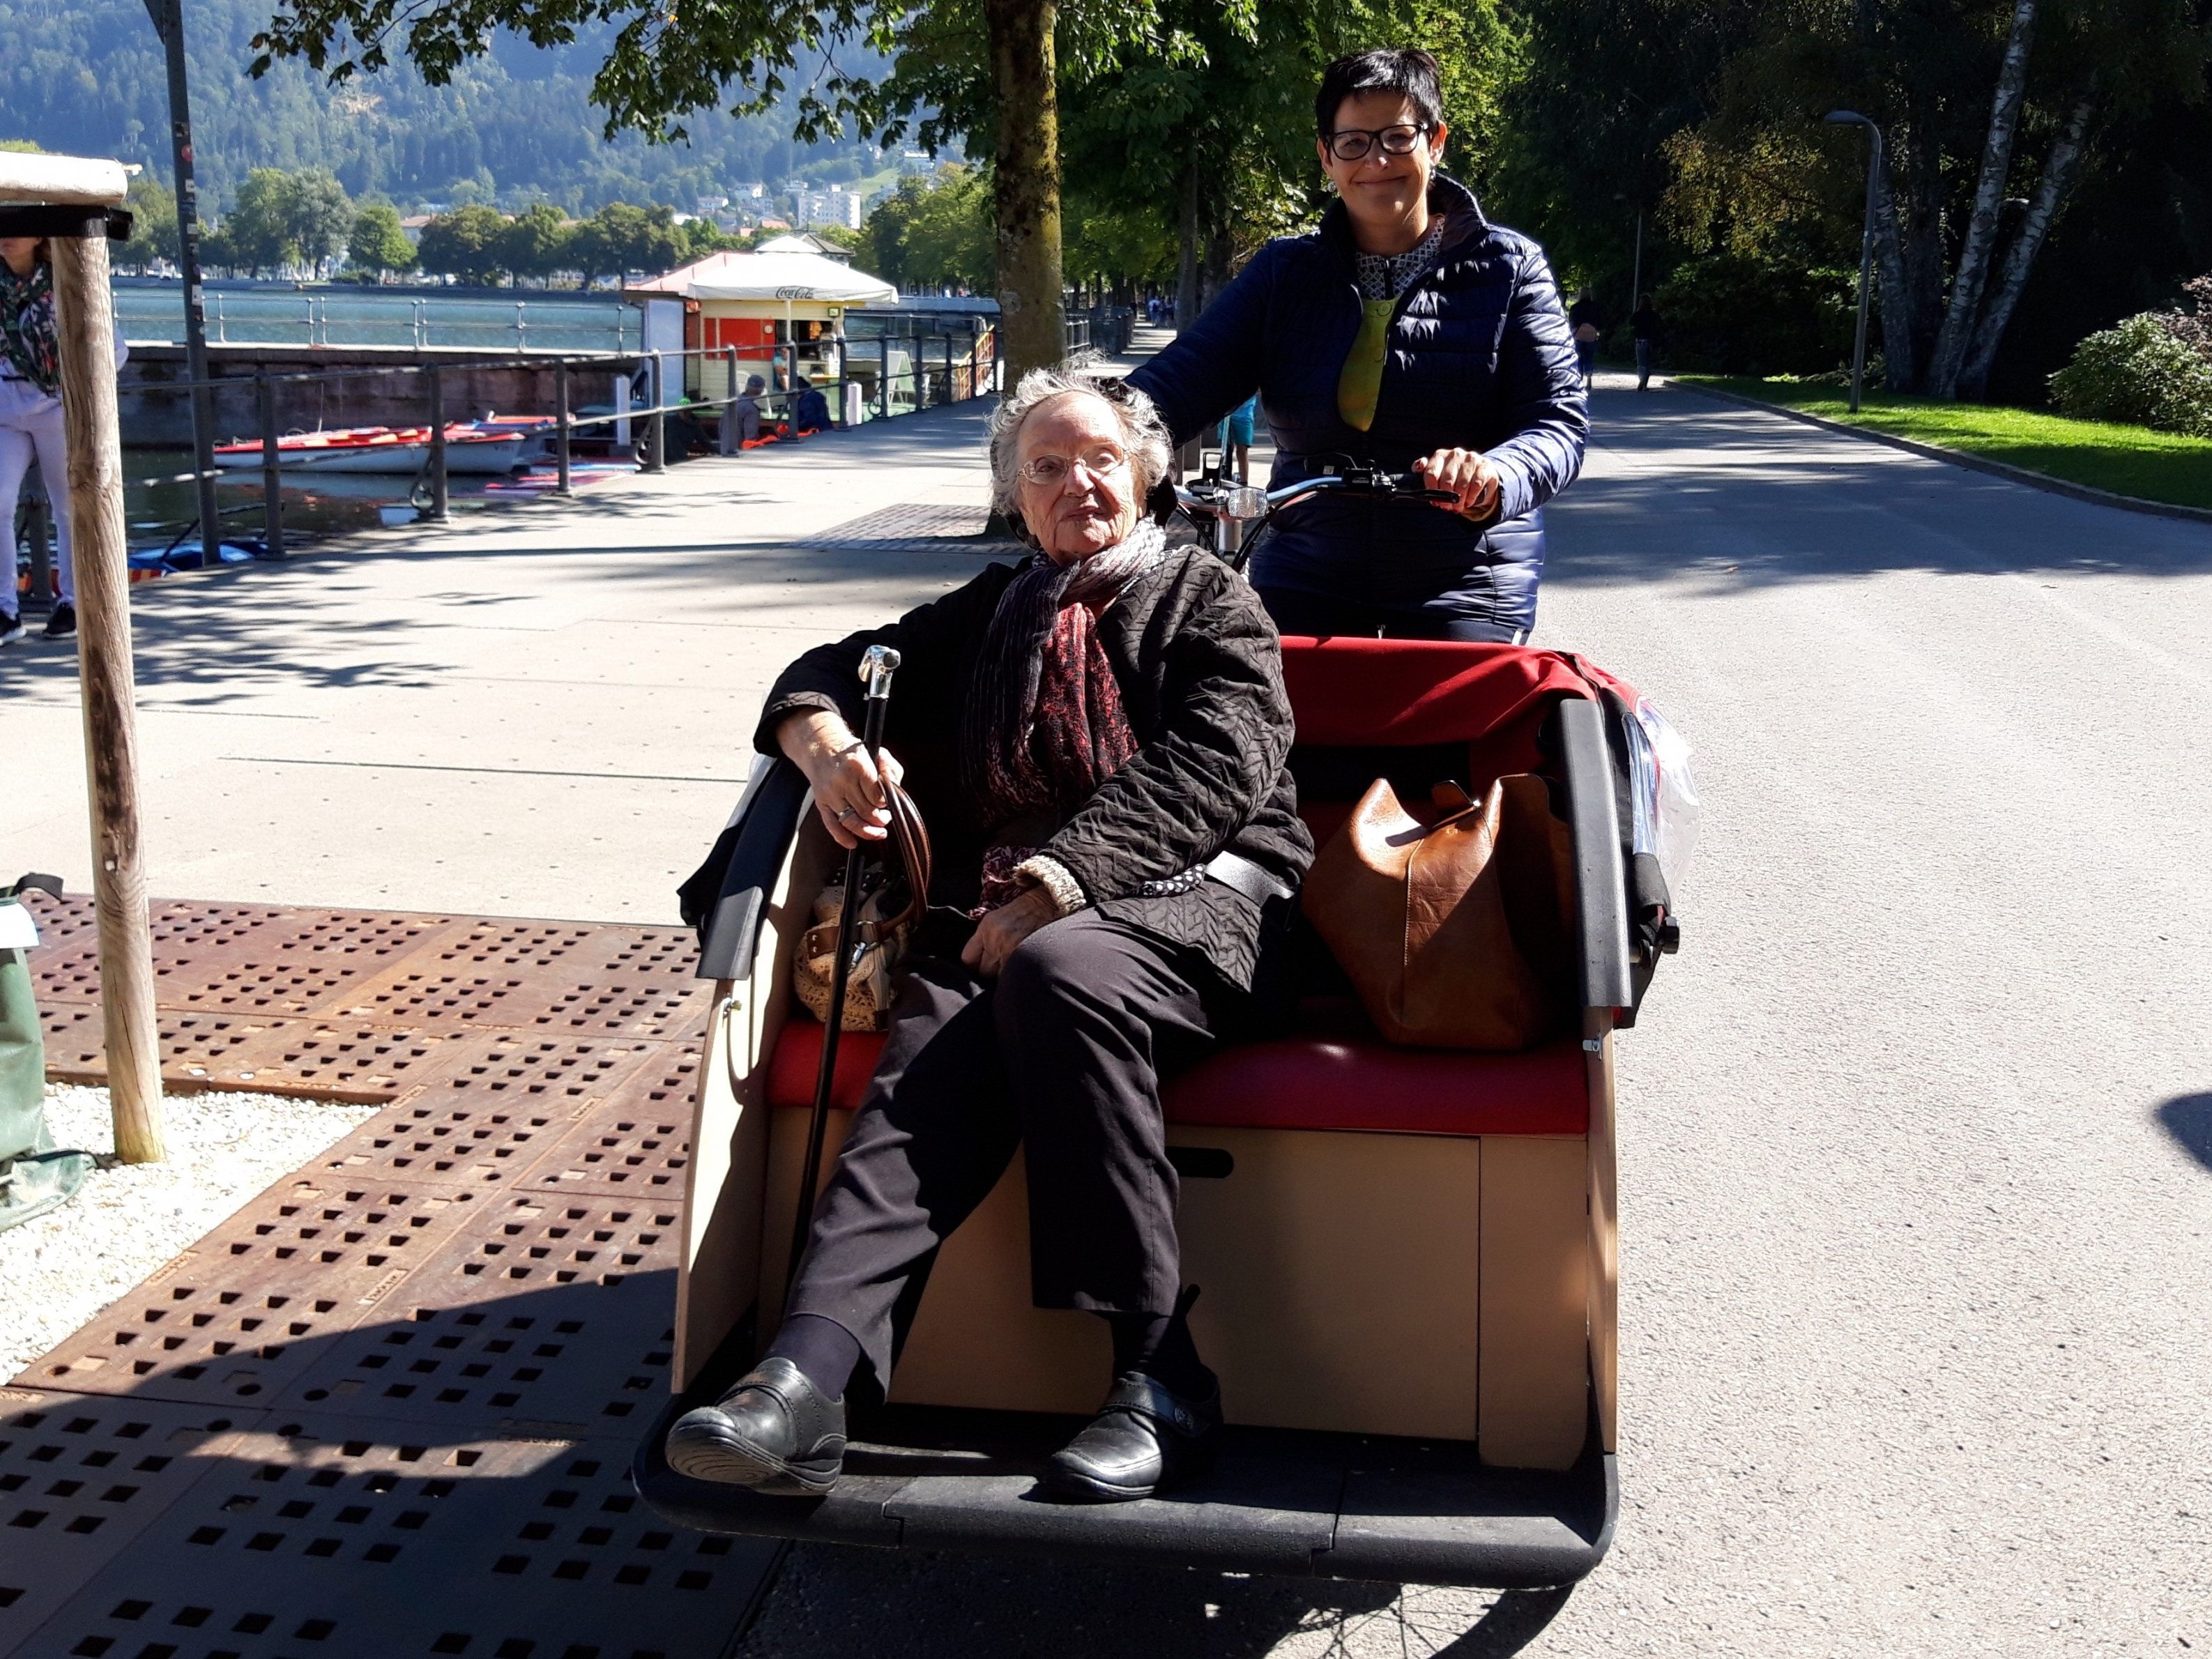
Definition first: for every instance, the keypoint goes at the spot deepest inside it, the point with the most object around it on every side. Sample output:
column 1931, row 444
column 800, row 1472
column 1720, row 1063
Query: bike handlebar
column 1360, row 481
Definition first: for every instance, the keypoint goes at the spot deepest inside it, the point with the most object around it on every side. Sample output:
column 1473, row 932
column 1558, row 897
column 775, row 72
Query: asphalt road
column 1916, row 1133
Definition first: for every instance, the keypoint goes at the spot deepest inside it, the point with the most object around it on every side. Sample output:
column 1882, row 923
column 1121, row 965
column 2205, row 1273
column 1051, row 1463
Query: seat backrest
column 1419, row 712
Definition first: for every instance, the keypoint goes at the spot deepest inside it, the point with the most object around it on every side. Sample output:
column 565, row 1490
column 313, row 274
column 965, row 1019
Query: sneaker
column 62, row 624
column 11, row 630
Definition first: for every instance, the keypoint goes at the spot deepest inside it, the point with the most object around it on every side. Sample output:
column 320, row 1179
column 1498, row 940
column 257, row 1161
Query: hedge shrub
column 2139, row 373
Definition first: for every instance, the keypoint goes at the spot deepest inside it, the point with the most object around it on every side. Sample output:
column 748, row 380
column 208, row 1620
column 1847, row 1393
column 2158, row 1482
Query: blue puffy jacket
column 1481, row 358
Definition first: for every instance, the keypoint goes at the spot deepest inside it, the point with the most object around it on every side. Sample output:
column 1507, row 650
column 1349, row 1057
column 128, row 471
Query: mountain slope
column 87, row 76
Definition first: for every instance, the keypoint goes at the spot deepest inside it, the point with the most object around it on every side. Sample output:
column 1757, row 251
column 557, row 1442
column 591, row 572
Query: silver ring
column 844, row 812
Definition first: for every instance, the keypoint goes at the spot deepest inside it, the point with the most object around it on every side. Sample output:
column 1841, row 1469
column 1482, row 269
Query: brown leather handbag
column 891, row 906
column 1455, row 931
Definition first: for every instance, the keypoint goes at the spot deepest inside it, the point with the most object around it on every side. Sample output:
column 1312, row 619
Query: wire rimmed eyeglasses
column 1049, row 472
column 1354, row 143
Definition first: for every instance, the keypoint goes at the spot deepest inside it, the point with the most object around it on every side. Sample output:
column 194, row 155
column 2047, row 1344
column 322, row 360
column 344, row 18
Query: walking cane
column 876, row 672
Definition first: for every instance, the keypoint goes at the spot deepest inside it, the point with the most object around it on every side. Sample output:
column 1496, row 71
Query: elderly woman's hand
column 1469, row 476
column 1001, row 931
column 847, row 793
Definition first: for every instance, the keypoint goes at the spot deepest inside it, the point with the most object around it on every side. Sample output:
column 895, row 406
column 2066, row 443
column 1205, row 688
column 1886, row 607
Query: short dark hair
column 1412, row 73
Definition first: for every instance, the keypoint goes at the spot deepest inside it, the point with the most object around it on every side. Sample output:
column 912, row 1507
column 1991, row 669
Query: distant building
column 805, row 243
column 411, row 225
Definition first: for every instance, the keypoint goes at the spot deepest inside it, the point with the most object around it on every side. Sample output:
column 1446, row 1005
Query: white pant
column 31, row 424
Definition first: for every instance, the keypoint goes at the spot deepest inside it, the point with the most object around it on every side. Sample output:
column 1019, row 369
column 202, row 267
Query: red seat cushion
column 1299, row 1082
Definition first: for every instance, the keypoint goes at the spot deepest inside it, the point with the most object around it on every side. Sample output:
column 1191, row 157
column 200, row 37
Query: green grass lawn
column 2128, row 460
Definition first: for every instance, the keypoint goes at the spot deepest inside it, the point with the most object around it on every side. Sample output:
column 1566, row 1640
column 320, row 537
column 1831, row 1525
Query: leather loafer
column 775, row 1432
column 1143, row 1440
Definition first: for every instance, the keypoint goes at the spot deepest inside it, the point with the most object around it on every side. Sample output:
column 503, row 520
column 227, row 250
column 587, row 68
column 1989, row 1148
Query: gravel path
column 59, row 1270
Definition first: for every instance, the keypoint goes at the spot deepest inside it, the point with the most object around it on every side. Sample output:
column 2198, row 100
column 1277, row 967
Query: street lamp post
column 1847, row 118
column 168, row 17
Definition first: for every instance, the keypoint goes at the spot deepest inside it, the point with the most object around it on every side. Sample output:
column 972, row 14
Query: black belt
column 1239, row 874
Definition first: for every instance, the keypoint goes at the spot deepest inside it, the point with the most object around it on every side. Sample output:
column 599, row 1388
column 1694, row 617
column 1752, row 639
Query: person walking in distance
column 1650, row 328
column 1588, row 325
column 31, row 418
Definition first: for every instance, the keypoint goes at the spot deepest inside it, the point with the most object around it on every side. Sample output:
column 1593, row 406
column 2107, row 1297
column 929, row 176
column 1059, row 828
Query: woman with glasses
column 1409, row 333
column 1098, row 740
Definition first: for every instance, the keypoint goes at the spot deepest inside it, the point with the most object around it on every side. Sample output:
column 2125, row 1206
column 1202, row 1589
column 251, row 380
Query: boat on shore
column 471, row 446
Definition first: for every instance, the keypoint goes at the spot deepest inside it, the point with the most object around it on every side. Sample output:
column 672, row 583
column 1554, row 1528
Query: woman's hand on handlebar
column 847, row 793
column 1468, row 474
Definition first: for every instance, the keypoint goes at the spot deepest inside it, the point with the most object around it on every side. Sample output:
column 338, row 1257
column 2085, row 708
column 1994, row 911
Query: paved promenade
column 1917, row 1132
column 541, row 712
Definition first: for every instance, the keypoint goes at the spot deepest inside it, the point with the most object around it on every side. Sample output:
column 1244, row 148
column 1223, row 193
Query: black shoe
column 11, row 630
column 775, row 1432
column 1143, row 1439
column 62, row 624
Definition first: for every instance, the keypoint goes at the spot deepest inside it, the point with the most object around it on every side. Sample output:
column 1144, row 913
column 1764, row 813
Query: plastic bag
column 34, row 1176
column 1665, row 794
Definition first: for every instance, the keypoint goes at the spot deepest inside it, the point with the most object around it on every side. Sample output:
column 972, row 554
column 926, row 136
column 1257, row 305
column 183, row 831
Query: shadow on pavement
column 365, row 1491
column 450, row 1476
column 2188, row 1119
column 827, row 1600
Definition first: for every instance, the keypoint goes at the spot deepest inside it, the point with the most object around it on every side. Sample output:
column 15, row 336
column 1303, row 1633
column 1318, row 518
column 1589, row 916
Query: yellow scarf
column 1361, row 382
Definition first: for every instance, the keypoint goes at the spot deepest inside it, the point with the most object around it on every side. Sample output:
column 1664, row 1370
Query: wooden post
column 84, row 311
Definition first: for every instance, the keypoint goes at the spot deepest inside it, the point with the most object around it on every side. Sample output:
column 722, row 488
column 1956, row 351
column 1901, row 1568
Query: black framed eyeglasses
column 1353, row 143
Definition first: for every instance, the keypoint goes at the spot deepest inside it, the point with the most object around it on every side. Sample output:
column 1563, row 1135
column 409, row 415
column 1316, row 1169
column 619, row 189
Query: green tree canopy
column 377, row 244
column 929, row 233
column 620, row 237
column 153, row 221
column 536, row 243
column 470, row 244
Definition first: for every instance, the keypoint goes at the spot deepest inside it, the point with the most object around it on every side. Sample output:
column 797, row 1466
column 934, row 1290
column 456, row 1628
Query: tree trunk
column 1963, row 314
column 1213, row 272
column 1026, row 184
column 2050, row 196
column 1187, row 264
column 1897, row 348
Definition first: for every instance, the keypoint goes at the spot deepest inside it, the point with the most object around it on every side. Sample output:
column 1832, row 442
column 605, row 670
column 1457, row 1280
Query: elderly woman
column 1098, row 740
column 1410, row 332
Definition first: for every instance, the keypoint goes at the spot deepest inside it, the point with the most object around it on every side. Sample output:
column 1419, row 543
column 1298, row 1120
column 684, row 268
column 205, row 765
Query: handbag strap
column 910, row 837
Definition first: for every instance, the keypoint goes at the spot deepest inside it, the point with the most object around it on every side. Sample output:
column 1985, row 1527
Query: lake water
column 152, row 310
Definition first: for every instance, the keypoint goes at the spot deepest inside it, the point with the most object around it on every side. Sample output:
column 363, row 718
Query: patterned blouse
column 1385, row 276
column 27, row 337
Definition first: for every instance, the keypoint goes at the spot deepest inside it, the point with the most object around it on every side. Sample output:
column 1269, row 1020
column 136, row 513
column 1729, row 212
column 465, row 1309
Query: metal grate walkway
column 388, row 1409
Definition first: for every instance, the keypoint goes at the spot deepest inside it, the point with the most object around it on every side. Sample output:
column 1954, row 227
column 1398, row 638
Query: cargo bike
column 1340, row 1198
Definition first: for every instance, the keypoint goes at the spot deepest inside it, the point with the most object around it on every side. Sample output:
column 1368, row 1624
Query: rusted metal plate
column 359, row 1537
column 366, row 1064
column 230, row 1320
column 622, row 1153
column 486, row 1268
column 491, row 1111
column 560, row 978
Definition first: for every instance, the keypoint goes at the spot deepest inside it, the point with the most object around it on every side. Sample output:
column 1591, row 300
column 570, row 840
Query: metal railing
column 366, row 317
column 957, row 376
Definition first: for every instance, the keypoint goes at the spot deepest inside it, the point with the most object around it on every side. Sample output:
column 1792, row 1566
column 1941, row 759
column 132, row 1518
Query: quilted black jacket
column 1200, row 673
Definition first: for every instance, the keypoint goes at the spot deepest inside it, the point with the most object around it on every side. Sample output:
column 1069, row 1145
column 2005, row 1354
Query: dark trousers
column 1063, row 1056
column 1298, row 612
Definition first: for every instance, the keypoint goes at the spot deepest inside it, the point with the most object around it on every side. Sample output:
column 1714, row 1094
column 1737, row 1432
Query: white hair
column 1145, row 434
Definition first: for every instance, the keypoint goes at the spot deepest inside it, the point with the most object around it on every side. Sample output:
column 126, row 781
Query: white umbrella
column 783, row 276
